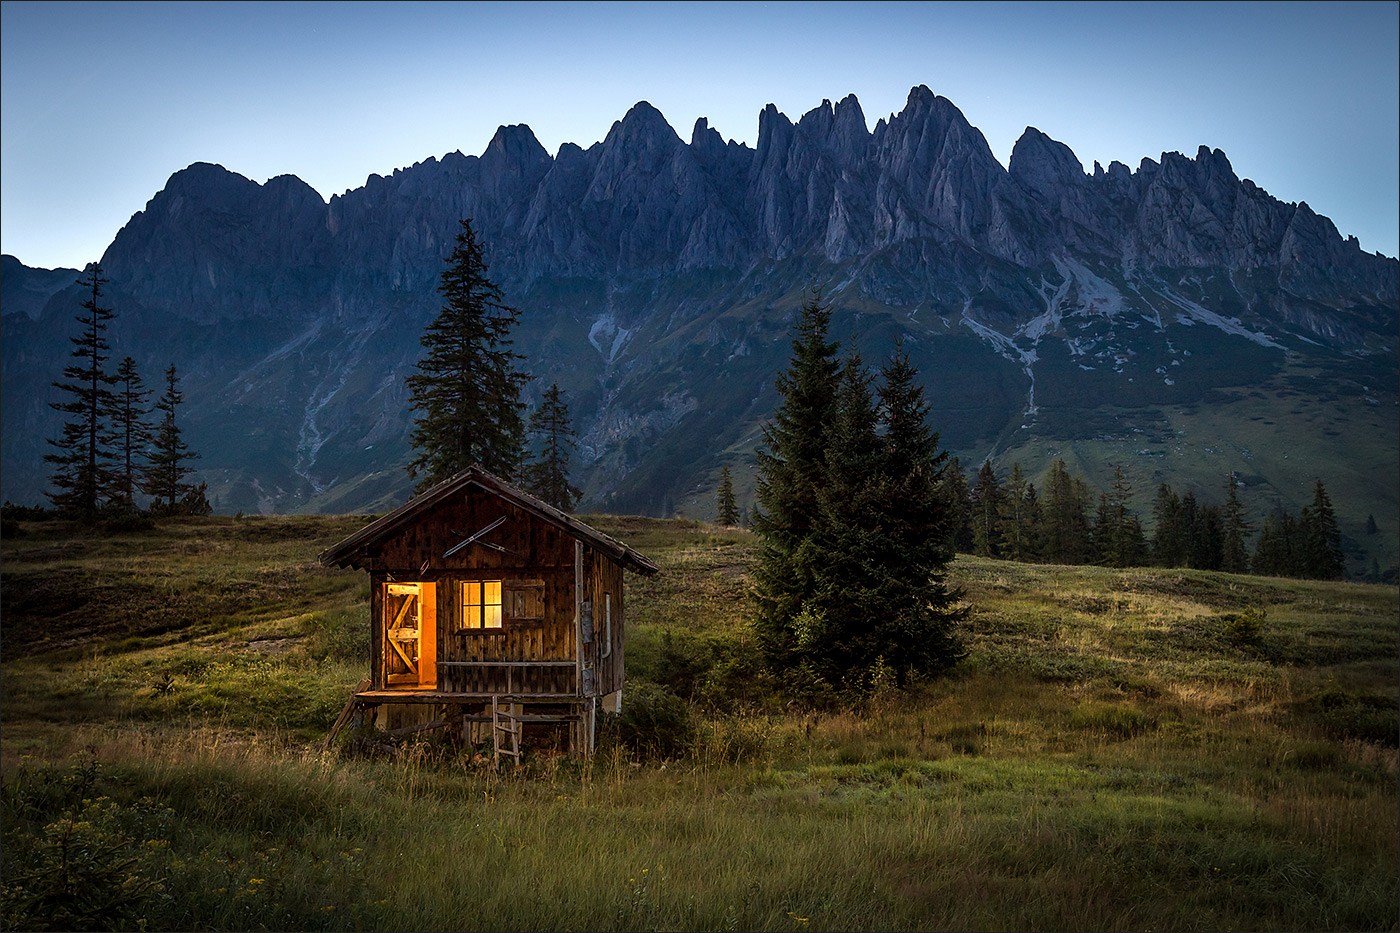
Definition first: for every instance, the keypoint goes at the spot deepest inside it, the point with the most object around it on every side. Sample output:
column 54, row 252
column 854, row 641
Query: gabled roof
column 344, row 553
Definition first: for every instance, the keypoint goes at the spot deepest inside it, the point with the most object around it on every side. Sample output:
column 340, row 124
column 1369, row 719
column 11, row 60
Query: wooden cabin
column 490, row 608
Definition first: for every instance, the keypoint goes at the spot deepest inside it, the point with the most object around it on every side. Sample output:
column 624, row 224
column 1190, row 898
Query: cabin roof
column 348, row 552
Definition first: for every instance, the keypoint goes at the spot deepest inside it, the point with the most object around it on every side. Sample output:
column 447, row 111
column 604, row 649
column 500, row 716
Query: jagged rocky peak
column 840, row 129
column 1042, row 165
column 513, row 163
column 514, row 145
column 705, row 142
column 644, row 127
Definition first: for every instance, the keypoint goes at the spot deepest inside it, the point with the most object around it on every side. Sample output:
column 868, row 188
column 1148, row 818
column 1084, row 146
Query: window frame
column 481, row 605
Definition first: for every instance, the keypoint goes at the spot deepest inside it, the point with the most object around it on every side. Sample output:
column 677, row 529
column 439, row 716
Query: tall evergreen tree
column 1013, row 521
column 130, row 432
column 957, row 504
column 547, row 476
column 1117, row 534
column 1233, row 556
column 987, row 496
column 916, row 634
column 83, row 464
column 1035, row 525
column 790, row 464
column 1066, row 538
column 879, row 550
column 726, row 508
column 467, row 388
column 1322, row 556
column 846, row 555
column 164, row 476
column 1205, row 533
column 1274, row 551
column 1169, row 545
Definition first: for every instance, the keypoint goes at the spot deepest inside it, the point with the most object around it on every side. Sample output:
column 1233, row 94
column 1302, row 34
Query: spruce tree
column 83, row 465
column 1169, row 546
column 130, row 432
column 467, row 388
column 879, row 549
column 789, row 470
column 726, row 508
column 1066, row 538
column 916, row 634
column 1117, row 535
column 1322, row 557
column 1273, row 552
column 847, row 553
column 1233, row 557
column 164, row 475
column 1035, row 525
column 986, row 513
column 1206, row 533
column 957, row 504
column 1015, row 530
column 548, row 475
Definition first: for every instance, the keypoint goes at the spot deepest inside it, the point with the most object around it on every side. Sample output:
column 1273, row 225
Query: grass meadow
column 1139, row 749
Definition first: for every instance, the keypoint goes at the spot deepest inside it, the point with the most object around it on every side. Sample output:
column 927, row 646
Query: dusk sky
column 103, row 102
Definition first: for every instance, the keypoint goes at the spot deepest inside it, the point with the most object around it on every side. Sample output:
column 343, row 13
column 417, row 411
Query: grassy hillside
column 1119, row 749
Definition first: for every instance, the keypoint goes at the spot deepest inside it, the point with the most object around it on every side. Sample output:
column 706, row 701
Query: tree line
column 1010, row 519
column 109, row 451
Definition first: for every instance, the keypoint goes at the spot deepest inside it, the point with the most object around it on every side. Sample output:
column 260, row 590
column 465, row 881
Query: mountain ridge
column 656, row 278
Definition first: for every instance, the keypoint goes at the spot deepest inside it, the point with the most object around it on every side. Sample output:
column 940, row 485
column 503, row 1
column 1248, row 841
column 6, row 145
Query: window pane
column 491, row 603
column 481, row 604
column 471, row 604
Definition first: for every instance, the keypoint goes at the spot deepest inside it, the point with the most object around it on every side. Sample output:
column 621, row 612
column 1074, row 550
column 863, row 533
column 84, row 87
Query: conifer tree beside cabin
column 467, row 388
column 548, row 475
column 491, row 611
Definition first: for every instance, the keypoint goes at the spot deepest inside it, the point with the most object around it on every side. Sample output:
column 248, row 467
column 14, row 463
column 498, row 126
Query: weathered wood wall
column 536, row 563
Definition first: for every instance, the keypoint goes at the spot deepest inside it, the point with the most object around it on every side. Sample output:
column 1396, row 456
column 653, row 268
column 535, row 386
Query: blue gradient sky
column 103, row 102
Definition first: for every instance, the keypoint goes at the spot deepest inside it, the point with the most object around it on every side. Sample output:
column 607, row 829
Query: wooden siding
column 602, row 582
column 535, row 651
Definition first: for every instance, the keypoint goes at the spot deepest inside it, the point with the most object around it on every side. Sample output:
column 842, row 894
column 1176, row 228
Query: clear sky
column 103, row 102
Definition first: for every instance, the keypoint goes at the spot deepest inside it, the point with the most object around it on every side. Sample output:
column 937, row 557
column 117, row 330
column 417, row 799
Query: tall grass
column 1110, row 755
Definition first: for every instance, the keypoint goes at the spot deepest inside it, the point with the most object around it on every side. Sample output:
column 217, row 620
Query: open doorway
column 410, row 635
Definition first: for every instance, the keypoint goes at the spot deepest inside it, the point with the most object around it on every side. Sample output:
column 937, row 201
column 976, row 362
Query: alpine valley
column 1173, row 319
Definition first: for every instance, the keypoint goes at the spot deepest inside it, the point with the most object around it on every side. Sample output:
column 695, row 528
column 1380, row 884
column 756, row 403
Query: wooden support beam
column 346, row 713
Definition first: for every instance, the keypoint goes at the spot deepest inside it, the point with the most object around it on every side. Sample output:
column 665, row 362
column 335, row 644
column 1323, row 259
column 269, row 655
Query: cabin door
column 410, row 635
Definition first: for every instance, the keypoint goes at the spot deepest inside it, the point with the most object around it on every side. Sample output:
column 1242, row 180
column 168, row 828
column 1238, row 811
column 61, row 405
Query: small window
column 607, row 624
column 481, row 604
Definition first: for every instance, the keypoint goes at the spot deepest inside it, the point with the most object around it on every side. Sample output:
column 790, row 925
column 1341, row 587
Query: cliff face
column 657, row 278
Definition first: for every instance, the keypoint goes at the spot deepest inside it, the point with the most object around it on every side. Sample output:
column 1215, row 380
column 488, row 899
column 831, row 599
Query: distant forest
column 1009, row 518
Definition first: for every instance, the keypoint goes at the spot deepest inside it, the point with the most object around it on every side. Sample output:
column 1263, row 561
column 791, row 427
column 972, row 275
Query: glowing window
column 481, row 604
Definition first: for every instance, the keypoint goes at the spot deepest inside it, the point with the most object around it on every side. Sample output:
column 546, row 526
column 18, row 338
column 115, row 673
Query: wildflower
column 255, row 881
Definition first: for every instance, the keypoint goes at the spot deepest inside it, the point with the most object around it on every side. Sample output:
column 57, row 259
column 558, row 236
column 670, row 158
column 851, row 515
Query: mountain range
column 1172, row 318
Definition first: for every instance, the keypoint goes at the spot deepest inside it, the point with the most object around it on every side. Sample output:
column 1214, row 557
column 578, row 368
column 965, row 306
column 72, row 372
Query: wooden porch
column 466, row 716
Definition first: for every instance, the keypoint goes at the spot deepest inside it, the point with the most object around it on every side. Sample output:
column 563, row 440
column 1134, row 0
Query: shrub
column 1245, row 628
column 654, row 722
